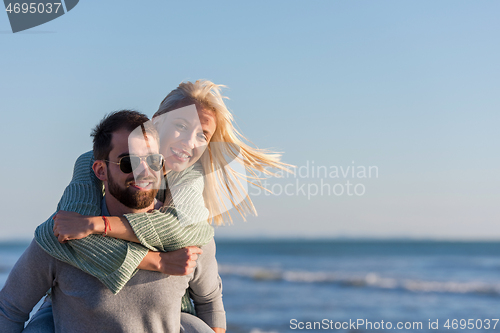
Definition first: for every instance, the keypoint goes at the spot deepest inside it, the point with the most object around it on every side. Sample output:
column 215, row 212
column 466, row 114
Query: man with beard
column 128, row 164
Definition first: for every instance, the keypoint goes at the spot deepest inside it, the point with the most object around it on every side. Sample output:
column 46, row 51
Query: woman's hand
column 179, row 262
column 70, row 225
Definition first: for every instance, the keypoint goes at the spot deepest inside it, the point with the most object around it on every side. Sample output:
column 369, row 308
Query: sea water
column 283, row 285
column 351, row 285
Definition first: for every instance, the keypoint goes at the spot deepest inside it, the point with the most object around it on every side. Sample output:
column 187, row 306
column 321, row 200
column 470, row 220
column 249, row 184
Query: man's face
column 135, row 190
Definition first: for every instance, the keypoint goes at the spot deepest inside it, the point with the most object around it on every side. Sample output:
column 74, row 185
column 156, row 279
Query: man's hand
column 180, row 262
column 70, row 225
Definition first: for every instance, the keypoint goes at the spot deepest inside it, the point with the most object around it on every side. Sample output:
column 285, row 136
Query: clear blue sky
column 410, row 87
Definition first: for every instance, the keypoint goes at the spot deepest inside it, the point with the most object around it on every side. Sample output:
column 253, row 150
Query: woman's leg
column 43, row 320
column 193, row 324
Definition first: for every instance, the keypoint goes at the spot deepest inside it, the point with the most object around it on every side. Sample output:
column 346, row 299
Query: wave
column 369, row 280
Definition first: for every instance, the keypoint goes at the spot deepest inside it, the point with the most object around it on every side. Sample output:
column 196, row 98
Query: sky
column 405, row 89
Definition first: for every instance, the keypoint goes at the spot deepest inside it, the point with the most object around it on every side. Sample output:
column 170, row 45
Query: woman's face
column 184, row 135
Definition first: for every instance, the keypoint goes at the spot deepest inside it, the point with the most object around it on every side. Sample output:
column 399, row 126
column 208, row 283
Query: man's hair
column 115, row 121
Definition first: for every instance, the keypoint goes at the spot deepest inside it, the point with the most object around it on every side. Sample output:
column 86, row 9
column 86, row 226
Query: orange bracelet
column 107, row 226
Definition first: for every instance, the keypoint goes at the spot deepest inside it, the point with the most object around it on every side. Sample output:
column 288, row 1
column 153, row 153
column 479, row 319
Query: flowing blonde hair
column 226, row 145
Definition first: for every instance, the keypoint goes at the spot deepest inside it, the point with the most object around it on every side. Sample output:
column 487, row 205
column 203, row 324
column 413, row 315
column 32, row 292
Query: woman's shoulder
column 83, row 167
column 85, row 158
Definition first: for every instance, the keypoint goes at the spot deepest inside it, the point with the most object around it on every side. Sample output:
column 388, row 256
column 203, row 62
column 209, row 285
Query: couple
column 111, row 296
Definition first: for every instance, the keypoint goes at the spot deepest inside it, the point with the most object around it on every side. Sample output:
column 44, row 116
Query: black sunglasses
column 130, row 162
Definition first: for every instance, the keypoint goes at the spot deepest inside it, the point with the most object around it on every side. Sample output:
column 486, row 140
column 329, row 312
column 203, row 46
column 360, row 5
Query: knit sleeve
column 182, row 221
column 84, row 193
column 111, row 260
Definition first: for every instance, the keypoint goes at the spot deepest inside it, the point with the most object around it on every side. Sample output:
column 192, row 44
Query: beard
column 130, row 198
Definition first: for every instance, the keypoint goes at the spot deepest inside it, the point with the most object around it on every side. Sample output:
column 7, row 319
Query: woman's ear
column 100, row 170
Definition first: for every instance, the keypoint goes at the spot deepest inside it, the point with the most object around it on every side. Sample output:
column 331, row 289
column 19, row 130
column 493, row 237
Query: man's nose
column 143, row 169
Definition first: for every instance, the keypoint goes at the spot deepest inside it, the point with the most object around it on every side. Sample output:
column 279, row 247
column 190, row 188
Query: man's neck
column 116, row 208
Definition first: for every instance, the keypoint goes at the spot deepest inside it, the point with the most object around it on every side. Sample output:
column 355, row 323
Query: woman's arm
column 71, row 226
column 179, row 223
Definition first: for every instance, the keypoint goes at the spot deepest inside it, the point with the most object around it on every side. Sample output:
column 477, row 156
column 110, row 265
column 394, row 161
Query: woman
column 199, row 179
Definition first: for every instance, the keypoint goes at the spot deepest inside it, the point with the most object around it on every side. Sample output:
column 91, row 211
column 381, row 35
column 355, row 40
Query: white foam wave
column 372, row 280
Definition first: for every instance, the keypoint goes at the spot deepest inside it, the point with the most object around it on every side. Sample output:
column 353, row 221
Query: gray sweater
column 149, row 302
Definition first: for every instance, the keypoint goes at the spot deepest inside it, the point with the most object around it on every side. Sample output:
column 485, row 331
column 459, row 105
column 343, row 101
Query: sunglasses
column 129, row 163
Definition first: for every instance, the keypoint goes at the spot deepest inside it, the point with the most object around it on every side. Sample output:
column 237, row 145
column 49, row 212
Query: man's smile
column 142, row 184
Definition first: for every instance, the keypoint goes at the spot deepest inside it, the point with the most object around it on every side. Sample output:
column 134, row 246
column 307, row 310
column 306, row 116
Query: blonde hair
column 222, row 181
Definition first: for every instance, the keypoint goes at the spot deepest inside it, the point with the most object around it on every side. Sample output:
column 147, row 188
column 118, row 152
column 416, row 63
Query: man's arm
column 31, row 277
column 206, row 290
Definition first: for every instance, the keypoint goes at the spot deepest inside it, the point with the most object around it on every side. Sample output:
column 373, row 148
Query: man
column 150, row 301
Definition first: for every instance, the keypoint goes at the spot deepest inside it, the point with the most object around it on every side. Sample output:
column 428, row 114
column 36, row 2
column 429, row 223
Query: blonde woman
column 200, row 181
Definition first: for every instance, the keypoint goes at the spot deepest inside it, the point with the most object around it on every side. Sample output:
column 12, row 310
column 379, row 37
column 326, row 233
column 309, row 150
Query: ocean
column 351, row 285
